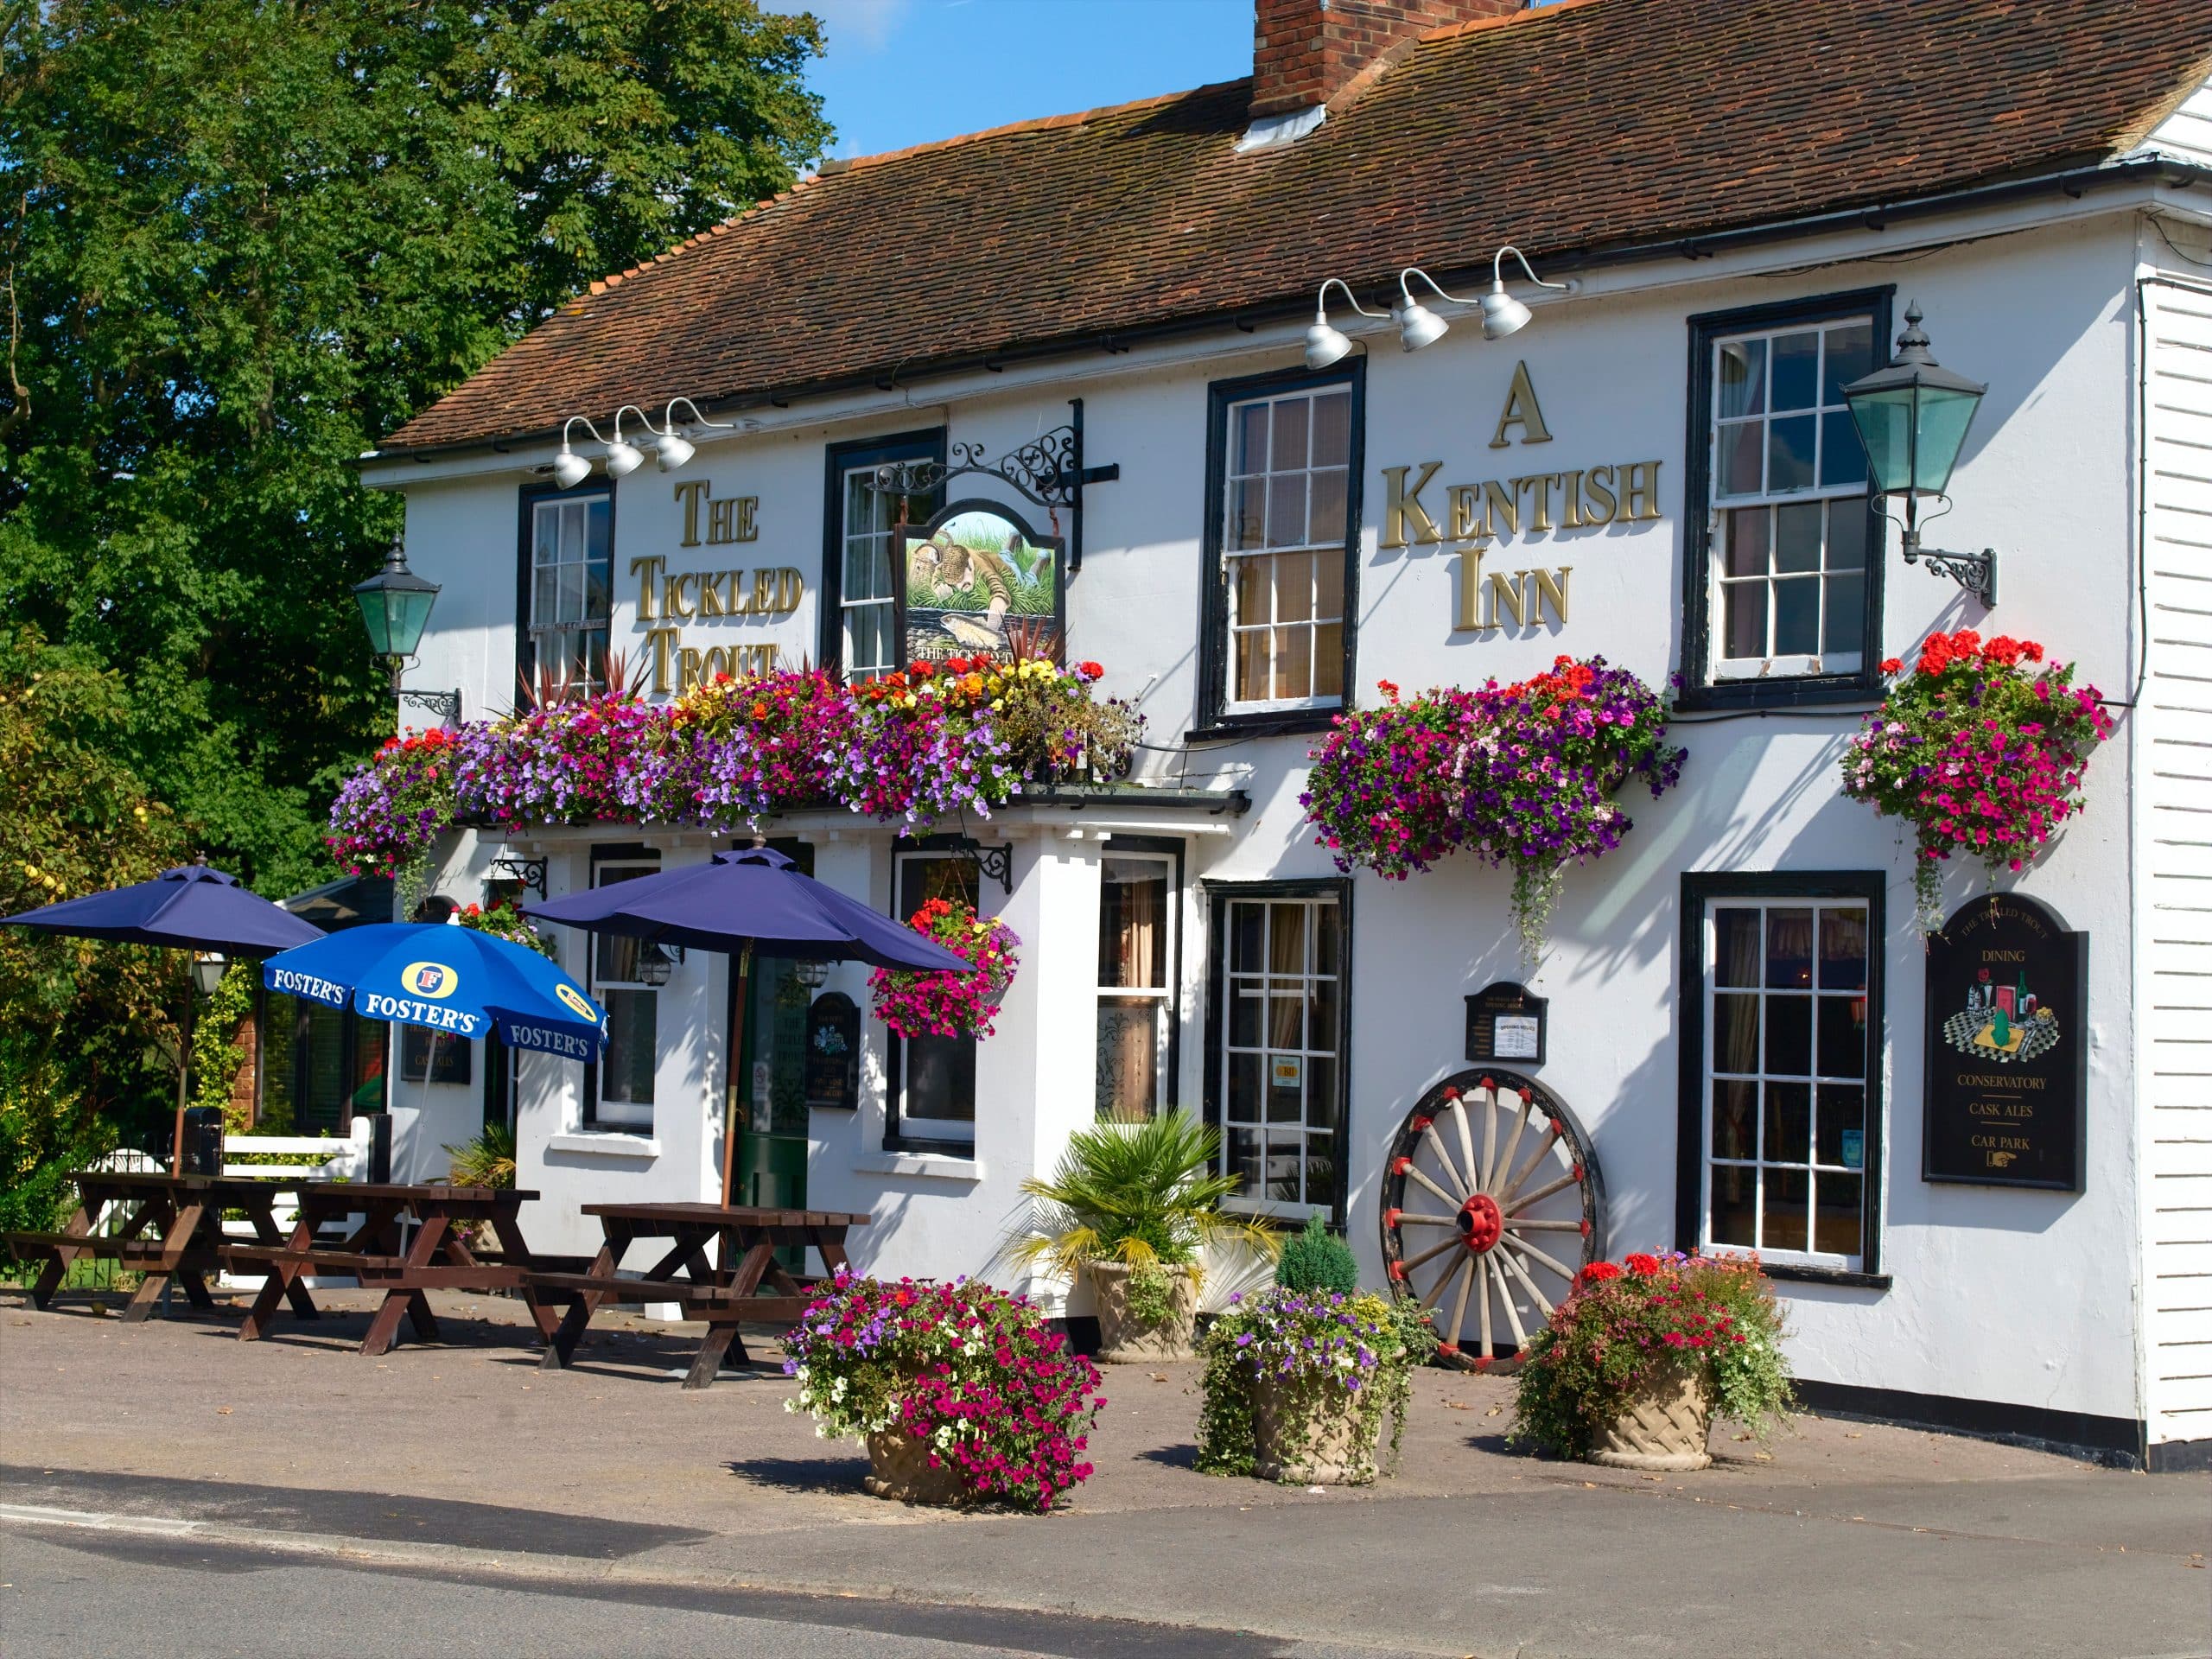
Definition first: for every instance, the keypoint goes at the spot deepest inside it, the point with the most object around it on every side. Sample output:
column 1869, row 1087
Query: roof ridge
column 1035, row 124
column 1473, row 25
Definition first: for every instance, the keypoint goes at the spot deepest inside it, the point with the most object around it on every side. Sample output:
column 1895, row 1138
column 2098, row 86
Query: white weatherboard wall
column 2188, row 131
column 2174, row 741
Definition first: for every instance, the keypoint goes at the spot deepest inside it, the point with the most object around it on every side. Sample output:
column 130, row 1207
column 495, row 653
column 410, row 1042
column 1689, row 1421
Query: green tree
column 241, row 240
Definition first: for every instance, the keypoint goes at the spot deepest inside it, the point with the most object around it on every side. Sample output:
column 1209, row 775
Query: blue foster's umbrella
column 445, row 978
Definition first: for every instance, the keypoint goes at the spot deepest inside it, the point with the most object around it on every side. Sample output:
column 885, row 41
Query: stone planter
column 898, row 1469
column 1121, row 1340
column 1333, row 1452
column 1664, row 1428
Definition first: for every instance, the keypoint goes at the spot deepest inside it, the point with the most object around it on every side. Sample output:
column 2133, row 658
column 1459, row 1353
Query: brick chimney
column 1304, row 52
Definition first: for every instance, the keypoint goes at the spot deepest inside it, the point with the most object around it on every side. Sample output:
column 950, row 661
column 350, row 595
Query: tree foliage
column 239, row 241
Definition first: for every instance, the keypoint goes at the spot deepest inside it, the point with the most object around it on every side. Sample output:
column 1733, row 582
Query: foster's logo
column 430, row 979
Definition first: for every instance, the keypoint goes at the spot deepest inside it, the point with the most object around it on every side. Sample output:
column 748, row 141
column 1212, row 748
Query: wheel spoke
column 1431, row 1253
column 1459, row 1303
column 1483, row 1275
column 1529, row 1250
column 1513, row 1261
column 1414, row 1172
column 1521, row 1202
column 1475, row 1171
column 1551, row 1136
column 1512, row 1313
column 1512, row 1141
column 1489, row 1146
column 1436, row 1144
column 1422, row 1218
column 1436, row 1290
column 1523, row 1223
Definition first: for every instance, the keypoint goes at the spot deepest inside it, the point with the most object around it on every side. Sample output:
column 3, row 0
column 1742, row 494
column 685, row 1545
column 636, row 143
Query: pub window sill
column 1801, row 1274
column 1231, row 728
column 606, row 1143
column 931, row 1166
column 1762, row 694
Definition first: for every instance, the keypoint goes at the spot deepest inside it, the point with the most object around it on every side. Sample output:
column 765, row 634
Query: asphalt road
column 73, row 1592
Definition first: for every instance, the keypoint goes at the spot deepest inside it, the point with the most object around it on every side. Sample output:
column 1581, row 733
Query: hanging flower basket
column 949, row 1003
column 1982, row 748
column 391, row 810
column 1522, row 776
column 503, row 921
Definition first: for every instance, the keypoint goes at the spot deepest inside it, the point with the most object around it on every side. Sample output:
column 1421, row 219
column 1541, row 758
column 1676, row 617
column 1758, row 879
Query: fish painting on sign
column 979, row 580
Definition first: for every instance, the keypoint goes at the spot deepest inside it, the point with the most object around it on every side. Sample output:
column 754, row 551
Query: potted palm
column 1130, row 1207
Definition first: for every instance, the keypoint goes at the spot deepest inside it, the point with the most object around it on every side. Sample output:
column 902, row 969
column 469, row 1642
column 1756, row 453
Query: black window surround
column 1218, row 895
column 526, row 500
column 1176, row 850
column 1700, row 690
column 838, row 459
column 1700, row 888
column 895, row 1138
column 1214, row 720
column 607, row 853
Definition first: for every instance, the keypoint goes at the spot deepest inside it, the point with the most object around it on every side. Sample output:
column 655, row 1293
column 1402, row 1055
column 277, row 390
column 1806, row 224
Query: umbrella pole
column 183, row 1069
column 736, row 1059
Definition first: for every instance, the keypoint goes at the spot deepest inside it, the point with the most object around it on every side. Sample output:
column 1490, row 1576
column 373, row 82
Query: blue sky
column 907, row 72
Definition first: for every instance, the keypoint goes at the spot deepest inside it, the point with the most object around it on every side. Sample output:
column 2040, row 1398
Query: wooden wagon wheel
column 1492, row 1205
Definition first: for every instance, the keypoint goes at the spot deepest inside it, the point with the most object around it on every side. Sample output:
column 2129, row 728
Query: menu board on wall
column 833, row 1053
column 1506, row 1021
column 2007, row 1083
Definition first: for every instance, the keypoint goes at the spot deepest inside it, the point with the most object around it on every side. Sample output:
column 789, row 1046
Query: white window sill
column 932, row 1165
column 606, row 1145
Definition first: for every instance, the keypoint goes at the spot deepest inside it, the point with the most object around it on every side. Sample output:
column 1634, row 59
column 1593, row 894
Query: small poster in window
column 1288, row 1071
column 1854, row 1148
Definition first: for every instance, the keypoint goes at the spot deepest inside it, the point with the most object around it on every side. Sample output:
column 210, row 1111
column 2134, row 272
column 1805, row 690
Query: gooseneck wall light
column 1419, row 326
column 395, row 607
column 1912, row 418
column 670, row 444
column 1325, row 345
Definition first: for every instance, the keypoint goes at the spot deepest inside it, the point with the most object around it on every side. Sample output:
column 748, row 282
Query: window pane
column 1797, row 617
column 1735, row 1191
column 1328, row 660
column 1790, row 454
column 633, row 1035
column 1131, row 1039
column 1740, row 450
column 1842, row 1125
column 1742, row 389
column 598, row 518
column 1287, row 1019
column 1243, row 1156
column 1293, row 587
column 1786, row 1205
column 1850, row 355
column 1844, row 625
column 595, row 594
column 544, row 605
column 1326, row 525
column 1244, row 1010
column 545, row 535
column 1797, row 535
column 1248, row 514
column 1285, row 1155
column 568, row 602
column 868, row 568
column 1287, row 510
column 1836, row 1229
column 1248, row 450
column 1848, row 527
column 1843, row 458
column 1789, row 950
column 1252, row 666
column 1294, row 649
column 1133, row 923
column 1789, row 1035
column 1789, row 1123
column 1248, row 927
column 1745, row 550
column 1251, row 579
column 1736, row 1034
column 1842, row 1048
column 1735, row 1119
column 1320, row 1168
column 1736, row 947
column 1744, row 620
column 1332, row 429
column 1321, row 1095
column 1843, row 950
column 1321, row 1017
column 1286, row 939
column 1289, row 449
column 1329, row 586
column 1324, row 938
column 1245, row 1104
column 940, row 1078
column 1796, row 362
column 860, row 501
column 1285, row 1089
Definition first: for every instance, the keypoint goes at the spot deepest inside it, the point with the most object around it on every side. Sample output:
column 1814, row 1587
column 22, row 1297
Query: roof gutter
column 2073, row 182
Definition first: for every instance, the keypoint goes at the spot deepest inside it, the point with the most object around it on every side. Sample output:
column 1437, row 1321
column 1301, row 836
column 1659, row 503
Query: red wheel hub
column 1480, row 1224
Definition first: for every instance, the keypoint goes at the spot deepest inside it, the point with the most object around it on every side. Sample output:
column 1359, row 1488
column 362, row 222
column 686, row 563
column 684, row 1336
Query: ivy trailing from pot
column 1630, row 1369
column 946, row 1002
column 1522, row 776
column 1982, row 748
column 1299, row 1384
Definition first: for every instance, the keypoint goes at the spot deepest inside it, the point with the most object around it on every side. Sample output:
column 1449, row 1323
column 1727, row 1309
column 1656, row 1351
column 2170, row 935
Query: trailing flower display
column 947, row 1003
column 950, row 738
column 1982, row 747
column 1327, row 1356
column 968, row 1371
column 505, row 921
column 1625, row 1324
column 1521, row 775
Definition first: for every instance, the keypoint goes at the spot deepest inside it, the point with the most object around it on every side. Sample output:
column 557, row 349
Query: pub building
column 1647, row 245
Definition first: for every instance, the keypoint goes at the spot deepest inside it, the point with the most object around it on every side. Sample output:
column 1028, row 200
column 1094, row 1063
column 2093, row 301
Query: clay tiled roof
column 1590, row 126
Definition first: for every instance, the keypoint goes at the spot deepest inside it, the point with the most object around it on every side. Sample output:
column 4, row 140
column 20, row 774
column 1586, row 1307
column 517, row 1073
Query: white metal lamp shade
column 1503, row 315
column 569, row 468
column 1418, row 326
column 672, row 449
column 1323, row 344
column 623, row 458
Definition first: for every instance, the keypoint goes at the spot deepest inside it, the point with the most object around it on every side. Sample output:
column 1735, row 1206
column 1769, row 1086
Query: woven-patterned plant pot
column 1122, row 1339
column 1665, row 1427
column 898, row 1469
column 1330, row 1453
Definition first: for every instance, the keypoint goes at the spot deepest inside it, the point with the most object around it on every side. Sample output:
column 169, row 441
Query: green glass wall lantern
column 1912, row 419
column 395, row 608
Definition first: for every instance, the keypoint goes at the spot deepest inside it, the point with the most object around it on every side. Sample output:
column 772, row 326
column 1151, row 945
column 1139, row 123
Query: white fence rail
column 306, row 1157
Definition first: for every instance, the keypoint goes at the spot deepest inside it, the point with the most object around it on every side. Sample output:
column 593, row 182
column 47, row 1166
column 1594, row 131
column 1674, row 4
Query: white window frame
column 1266, row 979
column 1161, row 996
column 1720, row 668
column 1234, row 626
column 620, row 1115
column 555, row 639
column 1709, row 1076
column 882, row 523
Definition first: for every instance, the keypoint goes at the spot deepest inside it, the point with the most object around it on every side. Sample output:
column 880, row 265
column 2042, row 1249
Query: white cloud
column 866, row 25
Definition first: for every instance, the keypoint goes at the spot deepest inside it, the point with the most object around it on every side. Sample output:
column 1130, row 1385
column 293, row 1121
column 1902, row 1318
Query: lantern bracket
column 1975, row 572
column 444, row 705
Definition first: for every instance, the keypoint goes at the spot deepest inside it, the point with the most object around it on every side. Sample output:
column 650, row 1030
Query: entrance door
column 768, row 1076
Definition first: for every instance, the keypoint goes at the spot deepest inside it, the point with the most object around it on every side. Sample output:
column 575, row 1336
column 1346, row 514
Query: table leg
column 265, row 1231
column 709, row 1360
column 57, row 1263
column 403, row 1299
column 177, row 1238
column 508, row 1230
column 561, row 1345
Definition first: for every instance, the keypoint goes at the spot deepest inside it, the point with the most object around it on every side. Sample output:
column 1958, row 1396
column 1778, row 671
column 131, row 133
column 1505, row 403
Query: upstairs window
column 863, row 600
column 568, row 585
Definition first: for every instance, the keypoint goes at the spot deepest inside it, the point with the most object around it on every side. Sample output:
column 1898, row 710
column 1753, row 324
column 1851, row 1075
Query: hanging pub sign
column 2007, row 1084
column 978, row 579
column 1506, row 1021
column 833, row 1053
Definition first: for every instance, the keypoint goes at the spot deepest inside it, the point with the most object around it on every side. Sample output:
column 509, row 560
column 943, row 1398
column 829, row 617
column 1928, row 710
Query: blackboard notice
column 2007, row 1048
column 833, row 1053
column 1505, row 1021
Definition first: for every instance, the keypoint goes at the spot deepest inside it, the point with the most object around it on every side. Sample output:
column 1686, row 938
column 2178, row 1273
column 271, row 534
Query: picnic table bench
column 170, row 1228
column 326, row 1239
column 718, row 1259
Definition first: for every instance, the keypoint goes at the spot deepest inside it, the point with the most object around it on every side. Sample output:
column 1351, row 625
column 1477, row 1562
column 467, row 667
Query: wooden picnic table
column 171, row 1229
column 720, row 1266
column 351, row 1228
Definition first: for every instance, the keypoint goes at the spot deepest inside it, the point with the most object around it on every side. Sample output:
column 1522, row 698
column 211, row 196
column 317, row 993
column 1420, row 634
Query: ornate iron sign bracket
column 444, row 705
column 530, row 872
column 1975, row 572
column 1047, row 470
